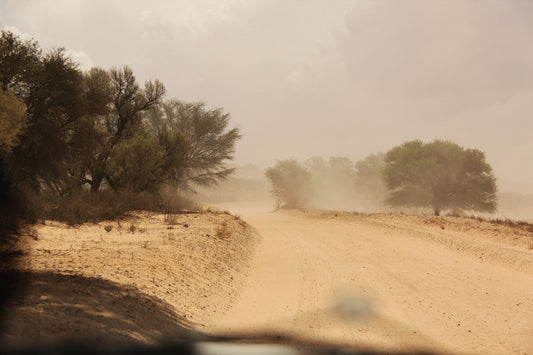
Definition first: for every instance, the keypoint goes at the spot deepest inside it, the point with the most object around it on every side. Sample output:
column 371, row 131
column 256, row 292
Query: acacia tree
column 87, row 128
column 54, row 99
column 135, row 164
column 128, row 103
column 197, row 141
column 18, row 60
column 291, row 183
column 440, row 175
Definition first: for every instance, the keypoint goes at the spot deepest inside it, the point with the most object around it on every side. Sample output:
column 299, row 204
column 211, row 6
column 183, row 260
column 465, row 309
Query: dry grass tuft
column 522, row 225
column 223, row 230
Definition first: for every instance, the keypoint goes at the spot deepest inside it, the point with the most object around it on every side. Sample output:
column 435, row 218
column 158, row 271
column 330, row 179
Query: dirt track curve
column 429, row 287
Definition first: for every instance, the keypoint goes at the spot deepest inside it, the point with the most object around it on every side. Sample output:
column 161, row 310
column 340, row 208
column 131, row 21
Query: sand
column 381, row 282
column 145, row 281
column 387, row 282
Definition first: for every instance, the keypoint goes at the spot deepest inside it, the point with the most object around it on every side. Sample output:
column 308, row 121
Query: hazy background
column 310, row 78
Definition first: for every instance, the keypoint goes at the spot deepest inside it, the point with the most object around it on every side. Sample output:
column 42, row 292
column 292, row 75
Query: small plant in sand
column 171, row 219
column 223, row 231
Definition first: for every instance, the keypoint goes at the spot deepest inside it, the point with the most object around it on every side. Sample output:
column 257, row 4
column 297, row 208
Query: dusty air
column 266, row 177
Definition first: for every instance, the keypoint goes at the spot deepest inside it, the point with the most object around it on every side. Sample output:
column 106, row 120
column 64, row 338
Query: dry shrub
column 522, row 225
column 173, row 204
column 84, row 207
column 223, row 231
column 170, row 217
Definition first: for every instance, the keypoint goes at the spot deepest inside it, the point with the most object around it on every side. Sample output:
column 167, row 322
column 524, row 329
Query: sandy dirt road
column 430, row 288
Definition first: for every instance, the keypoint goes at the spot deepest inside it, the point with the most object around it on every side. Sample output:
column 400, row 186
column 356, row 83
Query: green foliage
column 207, row 142
column 61, row 129
column 440, row 175
column 291, row 183
column 13, row 121
column 126, row 104
column 135, row 164
column 18, row 61
column 98, row 92
column 54, row 101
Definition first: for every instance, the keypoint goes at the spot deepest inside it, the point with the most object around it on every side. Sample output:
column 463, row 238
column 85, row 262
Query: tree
column 197, row 141
column 54, row 101
column 291, row 183
column 18, row 60
column 440, row 175
column 12, row 121
column 128, row 104
column 64, row 128
column 12, row 124
column 135, row 164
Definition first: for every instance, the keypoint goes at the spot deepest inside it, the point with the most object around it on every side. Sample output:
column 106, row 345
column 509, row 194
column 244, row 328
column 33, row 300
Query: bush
column 86, row 207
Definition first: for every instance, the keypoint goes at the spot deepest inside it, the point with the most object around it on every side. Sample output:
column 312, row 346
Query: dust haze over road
column 308, row 78
column 433, row 287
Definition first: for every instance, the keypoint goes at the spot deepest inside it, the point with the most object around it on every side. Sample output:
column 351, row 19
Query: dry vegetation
column 515, row 233
column 129, row 281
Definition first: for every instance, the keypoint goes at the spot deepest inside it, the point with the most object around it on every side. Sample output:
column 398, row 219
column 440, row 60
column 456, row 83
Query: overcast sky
column 325, row 78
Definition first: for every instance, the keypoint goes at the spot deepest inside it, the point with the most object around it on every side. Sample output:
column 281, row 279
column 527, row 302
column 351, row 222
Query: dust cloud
column 331, row 184
column 322, row 78
column 338, row 184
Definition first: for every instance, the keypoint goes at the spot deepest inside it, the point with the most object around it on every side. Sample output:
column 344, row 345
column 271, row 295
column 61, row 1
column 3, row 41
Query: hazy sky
column 304, row 78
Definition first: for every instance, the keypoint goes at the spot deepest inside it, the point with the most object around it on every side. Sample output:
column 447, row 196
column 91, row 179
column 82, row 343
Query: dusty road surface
column 441, row 284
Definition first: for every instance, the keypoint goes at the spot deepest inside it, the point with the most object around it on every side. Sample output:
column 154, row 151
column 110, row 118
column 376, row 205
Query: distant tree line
column 336, row 183
column 63, row 130
column 439, row 175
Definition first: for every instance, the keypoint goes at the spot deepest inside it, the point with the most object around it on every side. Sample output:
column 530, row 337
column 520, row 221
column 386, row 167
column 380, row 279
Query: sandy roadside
column 447, row 285
column 136, row 281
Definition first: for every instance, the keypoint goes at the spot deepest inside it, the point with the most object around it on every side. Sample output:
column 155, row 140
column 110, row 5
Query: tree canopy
column 291, row 183
column 210, row 143
column 64, row 128
column 440, row 175
column 12, row 121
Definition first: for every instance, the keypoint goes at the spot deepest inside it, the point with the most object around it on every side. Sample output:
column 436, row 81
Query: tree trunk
column 96, row 182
